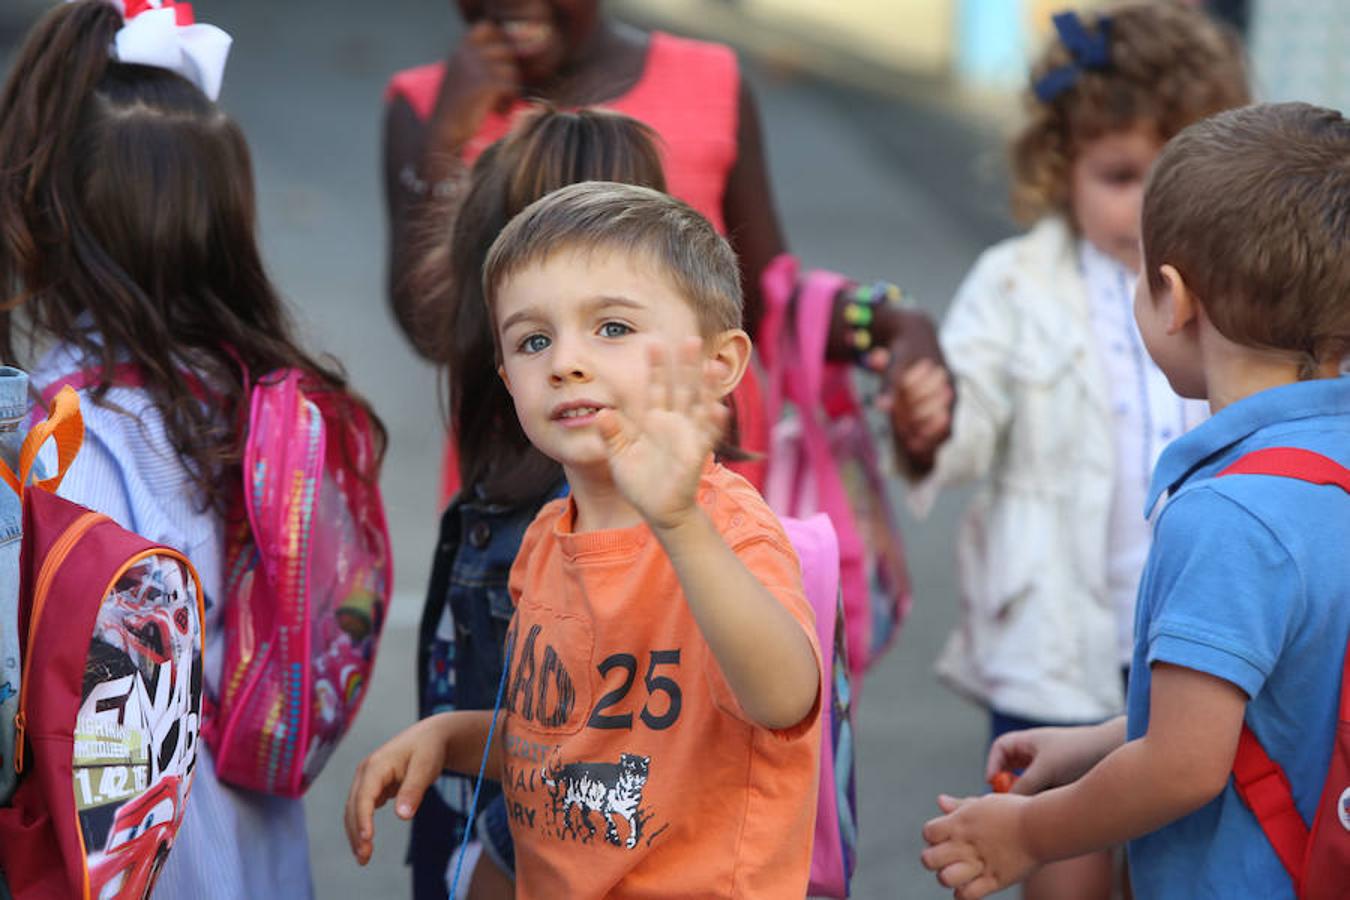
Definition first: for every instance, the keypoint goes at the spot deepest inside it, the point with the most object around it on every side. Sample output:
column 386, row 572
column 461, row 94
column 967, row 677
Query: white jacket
column 1037, row 637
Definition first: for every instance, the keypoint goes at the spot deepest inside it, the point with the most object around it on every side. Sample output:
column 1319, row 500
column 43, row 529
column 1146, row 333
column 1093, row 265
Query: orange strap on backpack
column 65, row 424
column 1257, row 778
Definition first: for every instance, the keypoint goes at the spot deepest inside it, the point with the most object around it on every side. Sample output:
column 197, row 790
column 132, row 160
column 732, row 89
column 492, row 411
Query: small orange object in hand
column 1002, row 782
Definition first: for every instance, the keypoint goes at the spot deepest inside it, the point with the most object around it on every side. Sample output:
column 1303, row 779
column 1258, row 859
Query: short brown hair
column 604, row 215
column 1252, row 207
column 1169, row 66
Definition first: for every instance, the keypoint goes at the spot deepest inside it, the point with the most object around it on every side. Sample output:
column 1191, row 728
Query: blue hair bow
column 1086, row 51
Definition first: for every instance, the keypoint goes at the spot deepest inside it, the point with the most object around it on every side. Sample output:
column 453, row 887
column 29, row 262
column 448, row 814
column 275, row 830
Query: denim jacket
column 13, row 411
column 460, row 649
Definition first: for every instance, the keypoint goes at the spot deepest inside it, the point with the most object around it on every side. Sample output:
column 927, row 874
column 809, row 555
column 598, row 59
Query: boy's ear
column 1183, row 305
column 730, row 356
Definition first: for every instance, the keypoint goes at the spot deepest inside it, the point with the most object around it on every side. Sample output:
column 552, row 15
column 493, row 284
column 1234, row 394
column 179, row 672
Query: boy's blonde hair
column 603, row 215
column 1252, row 207
column 1167, row 66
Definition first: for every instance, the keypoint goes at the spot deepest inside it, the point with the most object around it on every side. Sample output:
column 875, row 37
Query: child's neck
column 1234, row 372
column 599, row 504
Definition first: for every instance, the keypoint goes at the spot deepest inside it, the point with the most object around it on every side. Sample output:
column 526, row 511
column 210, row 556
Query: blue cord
column 482, row 768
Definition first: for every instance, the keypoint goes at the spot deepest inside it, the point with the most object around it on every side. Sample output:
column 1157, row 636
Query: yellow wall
column 909, row 34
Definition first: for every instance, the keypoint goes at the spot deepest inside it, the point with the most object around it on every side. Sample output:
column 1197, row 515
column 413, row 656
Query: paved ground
column 878, row 188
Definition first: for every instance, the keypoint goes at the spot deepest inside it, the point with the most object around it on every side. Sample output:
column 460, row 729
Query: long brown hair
column 128, row 223
column 546, row 151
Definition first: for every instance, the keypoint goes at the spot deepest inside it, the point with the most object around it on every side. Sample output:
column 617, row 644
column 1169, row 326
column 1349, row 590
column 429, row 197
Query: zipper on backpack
column 55, row 557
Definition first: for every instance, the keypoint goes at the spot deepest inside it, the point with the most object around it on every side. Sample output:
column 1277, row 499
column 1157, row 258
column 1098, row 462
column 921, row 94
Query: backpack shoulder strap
column 1257, row 778
column 1292, row 462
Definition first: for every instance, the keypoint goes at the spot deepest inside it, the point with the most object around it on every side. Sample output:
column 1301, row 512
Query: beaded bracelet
column 860, row 313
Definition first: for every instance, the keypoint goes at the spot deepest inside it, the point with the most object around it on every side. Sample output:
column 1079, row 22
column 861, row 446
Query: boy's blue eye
column 614, row 329
column 533, row 343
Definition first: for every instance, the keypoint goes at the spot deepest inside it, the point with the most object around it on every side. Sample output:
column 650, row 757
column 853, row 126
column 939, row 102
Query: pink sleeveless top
column 689, row 93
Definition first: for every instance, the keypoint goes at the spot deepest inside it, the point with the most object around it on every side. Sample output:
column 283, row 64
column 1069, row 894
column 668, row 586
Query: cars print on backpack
column 111, row 693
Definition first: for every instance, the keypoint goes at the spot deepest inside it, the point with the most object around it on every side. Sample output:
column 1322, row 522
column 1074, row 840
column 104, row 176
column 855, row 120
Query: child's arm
column 901, row 336
column 656, row 459
column 407, row 765
column 762, row 650
column 1181, row 763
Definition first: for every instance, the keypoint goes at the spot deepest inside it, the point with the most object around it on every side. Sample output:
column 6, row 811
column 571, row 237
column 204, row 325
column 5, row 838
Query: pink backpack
column 307, row 585
column 834, row 853
column 823, row 459
column 308, row 575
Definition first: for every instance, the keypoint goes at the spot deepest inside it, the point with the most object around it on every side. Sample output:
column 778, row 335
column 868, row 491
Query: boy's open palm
column 656, row 454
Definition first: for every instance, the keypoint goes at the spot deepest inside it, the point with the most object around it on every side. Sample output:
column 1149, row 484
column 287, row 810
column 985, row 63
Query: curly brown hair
column 1169, row 66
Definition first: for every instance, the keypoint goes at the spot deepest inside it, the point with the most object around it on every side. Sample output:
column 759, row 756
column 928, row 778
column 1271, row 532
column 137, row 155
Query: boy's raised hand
column 656, row 454
column 977, row 847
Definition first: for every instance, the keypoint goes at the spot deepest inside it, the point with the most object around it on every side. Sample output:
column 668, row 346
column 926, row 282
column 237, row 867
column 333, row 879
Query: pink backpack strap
column 778, row 282
column 1258, row 779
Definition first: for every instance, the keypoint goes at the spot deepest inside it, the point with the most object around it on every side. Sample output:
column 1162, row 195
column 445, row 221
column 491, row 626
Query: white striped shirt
column 233, row 843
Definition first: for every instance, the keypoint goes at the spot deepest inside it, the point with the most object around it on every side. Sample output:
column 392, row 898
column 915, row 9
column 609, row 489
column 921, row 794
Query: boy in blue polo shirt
column 1244, row 606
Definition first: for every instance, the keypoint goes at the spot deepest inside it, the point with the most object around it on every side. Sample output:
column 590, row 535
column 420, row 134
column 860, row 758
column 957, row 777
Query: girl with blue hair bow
column 1060, row 414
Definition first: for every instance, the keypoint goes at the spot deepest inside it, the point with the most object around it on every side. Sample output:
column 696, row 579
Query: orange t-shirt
column 629, row 768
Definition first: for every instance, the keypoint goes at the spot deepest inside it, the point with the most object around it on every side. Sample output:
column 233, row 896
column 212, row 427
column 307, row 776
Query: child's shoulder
column 737, row 509
column 1048, row 245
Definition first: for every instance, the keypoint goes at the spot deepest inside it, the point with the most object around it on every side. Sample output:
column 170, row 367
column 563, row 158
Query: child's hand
column 977, row 847
column 656, row 454
column 403, row 768
column 480, row 77
column 920, row 403
column 1050, row 756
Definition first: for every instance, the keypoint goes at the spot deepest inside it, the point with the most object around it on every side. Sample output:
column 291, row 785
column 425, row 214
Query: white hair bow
column 165, row 34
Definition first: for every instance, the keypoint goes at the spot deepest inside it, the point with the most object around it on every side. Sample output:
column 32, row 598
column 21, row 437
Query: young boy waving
column 1242, row 613
column 661, row 709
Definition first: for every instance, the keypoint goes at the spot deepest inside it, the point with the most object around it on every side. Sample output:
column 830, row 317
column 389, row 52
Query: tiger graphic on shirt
column 610, row 790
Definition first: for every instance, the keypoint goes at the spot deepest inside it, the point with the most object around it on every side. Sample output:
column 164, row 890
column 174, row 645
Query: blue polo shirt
column 1248, row 580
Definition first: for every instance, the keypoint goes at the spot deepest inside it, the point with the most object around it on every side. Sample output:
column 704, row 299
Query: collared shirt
column 1247, row 581
column 1146, row 415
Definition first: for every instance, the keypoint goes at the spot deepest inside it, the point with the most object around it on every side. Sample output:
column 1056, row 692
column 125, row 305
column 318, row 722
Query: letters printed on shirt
column 553, row 788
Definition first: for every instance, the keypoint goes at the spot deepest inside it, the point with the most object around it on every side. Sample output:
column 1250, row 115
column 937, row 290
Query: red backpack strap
column 1257, row 778
column 1264, row 787
column 1292, row 462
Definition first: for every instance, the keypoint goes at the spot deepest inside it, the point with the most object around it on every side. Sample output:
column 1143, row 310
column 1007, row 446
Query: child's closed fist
column 921, row 402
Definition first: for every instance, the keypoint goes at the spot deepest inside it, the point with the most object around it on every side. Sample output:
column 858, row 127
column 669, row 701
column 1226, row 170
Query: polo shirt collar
column 1241, row 420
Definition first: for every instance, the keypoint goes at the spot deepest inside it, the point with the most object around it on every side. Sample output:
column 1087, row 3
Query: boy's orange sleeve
column 772, row 561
